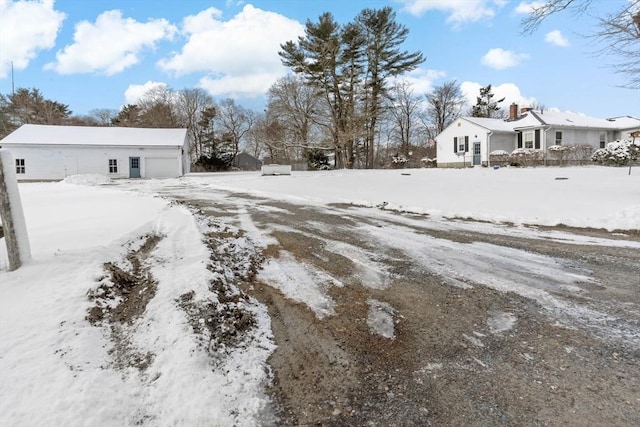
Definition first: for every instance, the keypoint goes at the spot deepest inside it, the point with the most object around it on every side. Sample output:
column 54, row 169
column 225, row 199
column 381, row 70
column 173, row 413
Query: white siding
column 446, row 155
column 58, row 162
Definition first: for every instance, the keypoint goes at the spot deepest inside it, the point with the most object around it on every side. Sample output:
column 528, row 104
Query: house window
column 20, row 166
column 528, row 139
column 113, row 165
column 461, row 144
column 558, row 137
column 603, row 140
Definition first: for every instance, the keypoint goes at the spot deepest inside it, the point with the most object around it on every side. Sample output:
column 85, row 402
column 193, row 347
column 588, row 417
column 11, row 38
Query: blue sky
column 104, row 54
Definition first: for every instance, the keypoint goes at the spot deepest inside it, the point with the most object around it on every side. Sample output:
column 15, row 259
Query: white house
column 45, row 152
column 469, row 141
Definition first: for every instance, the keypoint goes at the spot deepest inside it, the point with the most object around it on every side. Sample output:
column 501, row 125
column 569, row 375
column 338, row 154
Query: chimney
column 513, row 111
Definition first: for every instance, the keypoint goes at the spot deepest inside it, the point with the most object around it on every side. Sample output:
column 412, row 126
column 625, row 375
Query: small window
column 603, row 140
column 135, row 163
column 558, row 138
column 113, row 165
column 20, row 166
column 461, row 146
column 528, row 140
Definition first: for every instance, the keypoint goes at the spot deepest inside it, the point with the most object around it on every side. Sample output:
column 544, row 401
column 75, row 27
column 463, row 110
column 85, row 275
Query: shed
column 246, row 162
column 47, row 152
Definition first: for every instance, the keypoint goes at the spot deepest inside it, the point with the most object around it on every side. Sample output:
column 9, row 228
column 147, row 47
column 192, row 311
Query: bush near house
column 574, row 154
column 526, row 157
column 617, row 153
column 499, row 158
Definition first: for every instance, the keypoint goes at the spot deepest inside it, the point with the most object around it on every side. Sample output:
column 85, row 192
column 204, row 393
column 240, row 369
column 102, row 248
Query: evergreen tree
column 485, row 105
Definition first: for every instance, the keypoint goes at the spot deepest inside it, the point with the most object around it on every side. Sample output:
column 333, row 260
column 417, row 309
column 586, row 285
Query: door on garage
column 161, row 167
column 134, row 167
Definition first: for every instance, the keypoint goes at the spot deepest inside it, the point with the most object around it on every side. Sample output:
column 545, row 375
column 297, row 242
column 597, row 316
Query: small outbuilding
column 246, row 162
column 47, row 152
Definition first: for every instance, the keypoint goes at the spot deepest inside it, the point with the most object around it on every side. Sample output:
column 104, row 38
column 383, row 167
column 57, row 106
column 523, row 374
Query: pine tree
column 485, row 105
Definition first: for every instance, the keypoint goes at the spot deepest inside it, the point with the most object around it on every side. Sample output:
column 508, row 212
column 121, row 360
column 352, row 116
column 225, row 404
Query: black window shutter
column 455, row 144
column 466, row 144
column 519, row 139
column 537, row 140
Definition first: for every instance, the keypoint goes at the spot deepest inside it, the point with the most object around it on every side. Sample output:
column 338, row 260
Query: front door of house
column 134, row 167
column 476, row 153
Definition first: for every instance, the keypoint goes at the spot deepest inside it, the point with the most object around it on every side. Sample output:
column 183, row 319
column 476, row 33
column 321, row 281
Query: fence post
column 14, row 227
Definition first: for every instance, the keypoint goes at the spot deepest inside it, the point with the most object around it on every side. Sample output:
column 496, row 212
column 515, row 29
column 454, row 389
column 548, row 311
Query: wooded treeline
column 344, row 104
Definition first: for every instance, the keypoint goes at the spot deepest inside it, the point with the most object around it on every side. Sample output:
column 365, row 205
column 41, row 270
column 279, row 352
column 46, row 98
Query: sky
column 105, row 54
column 56, row 369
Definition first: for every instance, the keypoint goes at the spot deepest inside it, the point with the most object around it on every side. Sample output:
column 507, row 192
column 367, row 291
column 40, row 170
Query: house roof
column 100, row 136
column 625, row 122
column 566, row 119
column 501, row 125
column 556, row 119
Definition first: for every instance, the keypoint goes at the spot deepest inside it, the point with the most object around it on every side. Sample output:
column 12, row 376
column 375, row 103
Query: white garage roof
column 91, row 135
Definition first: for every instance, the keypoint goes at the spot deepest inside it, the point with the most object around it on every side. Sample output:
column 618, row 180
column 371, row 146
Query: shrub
column 399, row 161
column 618, row 153
column 561, row 153
column 317, row 159
column 499, row 157
column 525, row 157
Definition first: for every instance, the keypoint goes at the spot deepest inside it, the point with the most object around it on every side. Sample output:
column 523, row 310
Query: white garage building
column 45, row 152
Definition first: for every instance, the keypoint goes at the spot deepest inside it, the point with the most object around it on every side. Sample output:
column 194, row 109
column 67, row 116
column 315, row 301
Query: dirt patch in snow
column 223, row 323
column 122, row 295
column 120, row 298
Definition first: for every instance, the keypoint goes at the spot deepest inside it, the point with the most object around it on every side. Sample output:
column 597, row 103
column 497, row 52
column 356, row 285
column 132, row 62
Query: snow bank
column 87, row 179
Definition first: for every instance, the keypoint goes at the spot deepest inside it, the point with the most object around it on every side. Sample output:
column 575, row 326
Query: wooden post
column 13, row 224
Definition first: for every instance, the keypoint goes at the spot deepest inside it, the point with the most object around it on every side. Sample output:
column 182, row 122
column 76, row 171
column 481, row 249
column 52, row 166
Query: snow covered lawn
column 590, row 196
column 57, row 369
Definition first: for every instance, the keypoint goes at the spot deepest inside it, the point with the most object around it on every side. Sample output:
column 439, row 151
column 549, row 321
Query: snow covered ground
column 54, row 366
column 590, row 196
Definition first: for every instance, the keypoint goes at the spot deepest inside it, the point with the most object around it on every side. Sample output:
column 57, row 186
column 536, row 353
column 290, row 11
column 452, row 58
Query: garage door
column 161, row 167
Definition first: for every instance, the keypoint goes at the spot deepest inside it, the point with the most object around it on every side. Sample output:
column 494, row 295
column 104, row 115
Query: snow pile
column 155, row 368
column 87, row 179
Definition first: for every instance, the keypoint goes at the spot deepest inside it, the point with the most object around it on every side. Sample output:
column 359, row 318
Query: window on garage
column 113, row 165
column 20, row 168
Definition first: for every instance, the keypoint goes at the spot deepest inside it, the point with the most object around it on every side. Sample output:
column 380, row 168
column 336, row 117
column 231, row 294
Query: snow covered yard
column 590, row 196
column 58, row 368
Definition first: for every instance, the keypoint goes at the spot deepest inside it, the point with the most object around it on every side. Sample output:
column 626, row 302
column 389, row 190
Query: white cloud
column 555, row 37
column 134, row 92
column 460, row 11
column 509, row 91
column 528, row 7
column 109, row 45
column 421, row 79
column 241, row 54
column 500, row 59
column 26, row 27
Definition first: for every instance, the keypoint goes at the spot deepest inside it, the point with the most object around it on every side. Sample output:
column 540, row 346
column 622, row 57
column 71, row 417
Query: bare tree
column 294, row 104
column 190, row 104
column 618, row 32
column 234, row 122
column 157, row 108
column 444, row 105
column 404, row 111
column 103, row 116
